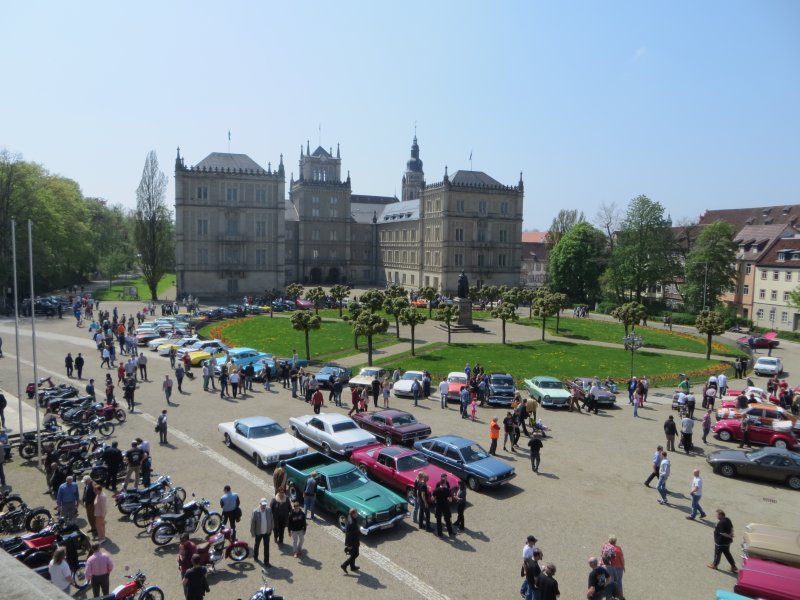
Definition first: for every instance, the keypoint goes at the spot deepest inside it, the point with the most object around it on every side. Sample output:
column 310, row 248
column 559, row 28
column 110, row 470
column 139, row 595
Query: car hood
column 489, row 467
column 723, row 455
column 372, row 498
column 455, row 387
column 502, row 389
column 279, row 444
column 354, row 437
column 361, row 380
column 403, row 384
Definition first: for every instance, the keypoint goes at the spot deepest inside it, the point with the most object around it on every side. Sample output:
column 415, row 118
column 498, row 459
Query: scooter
column 222, row 545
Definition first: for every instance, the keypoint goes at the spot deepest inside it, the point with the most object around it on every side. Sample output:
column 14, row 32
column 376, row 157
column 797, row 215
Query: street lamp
column 633, row 342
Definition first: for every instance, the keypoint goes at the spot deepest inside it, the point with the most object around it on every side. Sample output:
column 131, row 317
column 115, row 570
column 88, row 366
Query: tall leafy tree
column 294, row 291
column 369, row 325
column 710, row 266
column 710, row 323
column 394, row 305
column 428, row 293
column 154, row 232
column 447, row 314
column 306, row 321
column 545, row 304
column 562, row 223
column 506, row 312
column 577, row 261
column 411, row 317
column 339, row 293
column 644, row 254
column 316, row 295
column 372, row 300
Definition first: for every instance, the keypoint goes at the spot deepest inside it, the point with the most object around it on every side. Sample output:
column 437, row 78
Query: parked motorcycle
column 60, row 393
column 8, row 500
column 68, row 453
column 80, row 414
column 54, row 529
column 28, row 444
column 39, row 552
column 152, row 508
column 221, row 545
column 103, row 427
column 24, row 518
column 265, row 592
column 135, row 589
column 78, row 574
column 193, row 514
column 129, row 500
column 30, row 389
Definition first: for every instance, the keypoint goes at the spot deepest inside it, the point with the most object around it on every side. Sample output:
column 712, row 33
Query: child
column 474, row 407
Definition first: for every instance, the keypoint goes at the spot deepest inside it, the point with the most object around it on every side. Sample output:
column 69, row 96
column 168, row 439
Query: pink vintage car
column 768, row 580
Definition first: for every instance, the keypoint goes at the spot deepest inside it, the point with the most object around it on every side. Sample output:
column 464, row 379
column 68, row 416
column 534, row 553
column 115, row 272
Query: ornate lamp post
column 633, row 342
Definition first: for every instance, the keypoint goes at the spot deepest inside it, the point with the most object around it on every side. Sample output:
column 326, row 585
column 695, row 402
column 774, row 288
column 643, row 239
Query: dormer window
column 781, row 256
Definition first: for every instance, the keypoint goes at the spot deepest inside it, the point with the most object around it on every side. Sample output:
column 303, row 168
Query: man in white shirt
column 443, row 387
column 528, row 551
column 696, row 492
column 663, row 475
column 722, row 382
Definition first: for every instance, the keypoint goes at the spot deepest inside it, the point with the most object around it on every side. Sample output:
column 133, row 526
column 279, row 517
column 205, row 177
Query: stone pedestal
column 464, row 312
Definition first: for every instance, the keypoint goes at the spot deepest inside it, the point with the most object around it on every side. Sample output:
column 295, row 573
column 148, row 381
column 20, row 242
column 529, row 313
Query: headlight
column 271, row 459
column 493, row 478
column 546, row 397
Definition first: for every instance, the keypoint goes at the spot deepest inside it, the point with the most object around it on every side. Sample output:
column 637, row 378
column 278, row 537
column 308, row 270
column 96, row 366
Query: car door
column 240, row 436
column 377, row 425
column 384, row 467
column 324, row 497
column 760, row 434
column 455, row 462
column 435, row 452
column 768, row 467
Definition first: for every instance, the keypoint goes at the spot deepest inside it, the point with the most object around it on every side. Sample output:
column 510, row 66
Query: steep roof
column 361, row 198
column 533, row 237
column 755, row 240
column 473, row 178
column 321, row 152
column 791, row 258
column 407, row 210
column 760, row 215
column 225, row 161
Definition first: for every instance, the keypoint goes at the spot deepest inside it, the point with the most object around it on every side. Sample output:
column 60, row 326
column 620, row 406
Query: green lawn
column 333, row 340
column 333, row 313
column 604, row 331
column 558, row 359
column 115, row 291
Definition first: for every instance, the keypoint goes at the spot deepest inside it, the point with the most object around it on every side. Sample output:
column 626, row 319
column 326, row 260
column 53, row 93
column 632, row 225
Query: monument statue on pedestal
column 463, row 285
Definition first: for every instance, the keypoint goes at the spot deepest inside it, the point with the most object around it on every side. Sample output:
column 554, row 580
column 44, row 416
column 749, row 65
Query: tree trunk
column 369, row 350
column 397, row 325
column 544, row 320
column 430, row 310
column 504, row 331
column 355, row 341
column 448, row 333
column 412, row 340
column 308, row 350
column 558, row 320
column 340, row 309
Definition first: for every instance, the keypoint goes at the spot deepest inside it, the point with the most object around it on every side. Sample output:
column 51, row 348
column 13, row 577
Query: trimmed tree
column 505, row 312
column 428, row 293
column 710, row 323
column 630, row 314
column 562, row 302
column 394, row 306
column 339, row 293
column 369, row 324
column 305, row 321
column 316, row 295
column 411, row 317
column 294, row 291
column 372, row 300
column 545, row 305
column 447, row 314
column 355, row 309
column 395, row 291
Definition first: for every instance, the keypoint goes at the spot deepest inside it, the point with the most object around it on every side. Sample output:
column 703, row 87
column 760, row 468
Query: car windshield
column 473, row 453
column 767, row 361
column 403, row 420
column 263, row 431
column 369, row 372
column 756, row 454
column 504, row 381
column 549, row 385
column 411, row 462
column 344, row 426
column 347, row 480
column 457, row 379
column 411, row 375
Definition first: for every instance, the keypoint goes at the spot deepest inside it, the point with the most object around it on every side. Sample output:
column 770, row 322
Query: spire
column 301, row 151
column 269, row 167
column 521, row 185
column 281, row 172
column 337, row 150
column 308, row 147
column 374, row 216
column 179, row 152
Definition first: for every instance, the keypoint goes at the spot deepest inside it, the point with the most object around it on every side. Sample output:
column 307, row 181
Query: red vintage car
column 455, row 381
column 731, row 429
column 765, row 341
column 393, row 426
column 397, row 467
column 767, row 580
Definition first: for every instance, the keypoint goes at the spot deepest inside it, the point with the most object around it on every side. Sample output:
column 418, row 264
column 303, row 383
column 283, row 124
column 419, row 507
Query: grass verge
column 115, row 291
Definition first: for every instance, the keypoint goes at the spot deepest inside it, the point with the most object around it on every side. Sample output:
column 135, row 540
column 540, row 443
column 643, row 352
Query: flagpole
column 33, row 342
column 16, row 317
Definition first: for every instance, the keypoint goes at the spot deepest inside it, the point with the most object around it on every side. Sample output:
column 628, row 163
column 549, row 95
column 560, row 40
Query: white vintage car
column 333, row 433
column 402, row 387
column 366, row 376
column 262, row 438
column 163, row 349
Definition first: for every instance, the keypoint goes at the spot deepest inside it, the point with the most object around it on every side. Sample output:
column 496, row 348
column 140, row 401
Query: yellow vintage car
column 198, row 356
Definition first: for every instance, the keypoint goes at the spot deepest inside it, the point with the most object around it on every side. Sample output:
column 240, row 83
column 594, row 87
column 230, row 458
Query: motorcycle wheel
column 99, row 474
column 37, row 519
column 79, row 578
column 180, row 494
column 65, row 458
column 239, row 553
column 211, row 523
column 163, row 534
column 9, row 503
column 121, row 415
column 152, row 593
column 27, row 451
column 76, row 430
column 106, row 429
column 144, row 515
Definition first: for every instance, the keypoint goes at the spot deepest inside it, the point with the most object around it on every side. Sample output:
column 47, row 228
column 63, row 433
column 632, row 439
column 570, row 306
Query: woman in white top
column 60, row 574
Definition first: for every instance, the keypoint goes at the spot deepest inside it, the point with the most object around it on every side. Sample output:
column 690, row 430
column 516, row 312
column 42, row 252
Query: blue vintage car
column 241, row 357
column 467, row 460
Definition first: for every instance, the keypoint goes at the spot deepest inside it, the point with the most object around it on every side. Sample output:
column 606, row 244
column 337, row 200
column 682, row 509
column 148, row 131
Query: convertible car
column 333, row 433
column 262, row 438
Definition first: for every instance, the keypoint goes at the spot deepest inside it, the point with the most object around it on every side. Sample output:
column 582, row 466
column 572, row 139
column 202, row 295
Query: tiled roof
column 755, row 240
column 760, row 215
column 473, row 178
column 789, row 246
column 536, row 237
column 407, row 210
column 225, row 161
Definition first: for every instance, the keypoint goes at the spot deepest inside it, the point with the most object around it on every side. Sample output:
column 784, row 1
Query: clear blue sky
column 694, row 104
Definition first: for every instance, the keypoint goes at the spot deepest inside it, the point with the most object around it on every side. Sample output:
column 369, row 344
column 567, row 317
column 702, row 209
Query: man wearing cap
column 261, row 524
column 528, row 551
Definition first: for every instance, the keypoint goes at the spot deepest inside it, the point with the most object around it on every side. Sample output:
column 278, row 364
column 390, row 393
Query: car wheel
column 326, row 450
column 294, row 494
column 259, row 462
column 780, row 443
column 341, row 519
column 794, row 482
column 363, row 468
column 472, row 483
column 727, row 470
column 411, row 496
column 227, row 440
column 725, row 435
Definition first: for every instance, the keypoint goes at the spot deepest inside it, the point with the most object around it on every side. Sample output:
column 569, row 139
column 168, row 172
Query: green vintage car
column 548, row 391
column 340, row 487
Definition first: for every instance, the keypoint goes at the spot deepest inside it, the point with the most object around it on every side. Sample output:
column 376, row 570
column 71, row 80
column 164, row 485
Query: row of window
column 232, row 256
column 402, row 235
column 400, row 278
column 776, row 275
column 762, row 294
column 462, row 206
column 235, row 193
column 784, row 315
column 232, row 227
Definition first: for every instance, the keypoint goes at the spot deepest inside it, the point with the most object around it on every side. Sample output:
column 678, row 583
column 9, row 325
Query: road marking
column 384, row 562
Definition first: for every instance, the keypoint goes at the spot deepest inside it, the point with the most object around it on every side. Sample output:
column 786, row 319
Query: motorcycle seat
column 39, row 542
column 171, row 516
